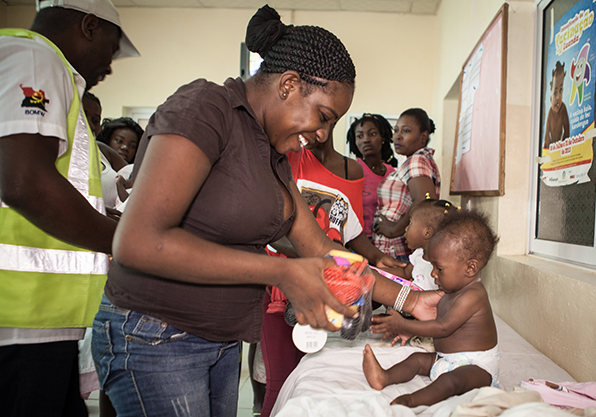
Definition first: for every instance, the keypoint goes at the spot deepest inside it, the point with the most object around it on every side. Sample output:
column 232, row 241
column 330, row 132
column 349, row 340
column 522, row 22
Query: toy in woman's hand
column 351, row 281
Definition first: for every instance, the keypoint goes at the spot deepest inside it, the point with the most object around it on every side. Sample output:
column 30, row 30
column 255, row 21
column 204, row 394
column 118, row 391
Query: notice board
column 479, row 156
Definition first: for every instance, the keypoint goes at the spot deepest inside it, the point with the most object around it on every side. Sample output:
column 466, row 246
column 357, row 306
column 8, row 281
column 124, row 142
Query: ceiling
column 428, row 7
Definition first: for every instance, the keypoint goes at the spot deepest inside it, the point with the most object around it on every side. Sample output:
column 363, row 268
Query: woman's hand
column 423, row 304
column 390, row 262
column 384, row 226
column 306, row 289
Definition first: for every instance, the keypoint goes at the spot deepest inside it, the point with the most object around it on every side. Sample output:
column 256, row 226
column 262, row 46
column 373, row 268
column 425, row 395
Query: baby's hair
column 433, row 211
column 384, row 129
column 471, row 230
column 425, row 123
column 559, row 70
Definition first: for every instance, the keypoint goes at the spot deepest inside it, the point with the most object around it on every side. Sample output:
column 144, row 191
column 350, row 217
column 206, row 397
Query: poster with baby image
column 569, row 98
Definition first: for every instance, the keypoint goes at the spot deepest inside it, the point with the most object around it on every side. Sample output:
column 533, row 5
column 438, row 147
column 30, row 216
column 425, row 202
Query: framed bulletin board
column 479, row 155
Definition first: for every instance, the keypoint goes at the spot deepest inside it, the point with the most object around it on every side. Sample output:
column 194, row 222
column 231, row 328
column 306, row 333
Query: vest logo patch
column 34, row 98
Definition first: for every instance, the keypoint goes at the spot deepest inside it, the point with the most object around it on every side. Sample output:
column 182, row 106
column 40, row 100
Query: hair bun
column 263, row 30
column 431, row 126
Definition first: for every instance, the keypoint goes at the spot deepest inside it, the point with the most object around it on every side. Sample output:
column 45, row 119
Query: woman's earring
column 285, row 95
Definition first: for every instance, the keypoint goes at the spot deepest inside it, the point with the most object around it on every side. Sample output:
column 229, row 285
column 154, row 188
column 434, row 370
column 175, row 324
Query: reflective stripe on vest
column 32, row 260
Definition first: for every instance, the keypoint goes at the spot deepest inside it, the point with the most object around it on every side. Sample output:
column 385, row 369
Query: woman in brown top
column 189, row 269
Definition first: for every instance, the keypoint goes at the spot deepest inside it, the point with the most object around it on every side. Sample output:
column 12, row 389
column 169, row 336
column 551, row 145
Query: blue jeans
column 149, row 368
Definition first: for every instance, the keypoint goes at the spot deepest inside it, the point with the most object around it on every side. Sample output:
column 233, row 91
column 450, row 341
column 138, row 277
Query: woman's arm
column 418, row 187
column 420, row 304
column 150, row 239
column 362, row 246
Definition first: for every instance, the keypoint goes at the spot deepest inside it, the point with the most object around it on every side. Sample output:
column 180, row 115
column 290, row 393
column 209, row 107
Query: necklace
column 380, row 168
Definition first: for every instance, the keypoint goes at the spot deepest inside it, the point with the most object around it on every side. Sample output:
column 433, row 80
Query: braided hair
column 385, row 131
column 316, row 54
column 425, row 123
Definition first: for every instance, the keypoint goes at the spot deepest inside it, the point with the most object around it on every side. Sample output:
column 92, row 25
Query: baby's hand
column 402, row 338
column 389, row 324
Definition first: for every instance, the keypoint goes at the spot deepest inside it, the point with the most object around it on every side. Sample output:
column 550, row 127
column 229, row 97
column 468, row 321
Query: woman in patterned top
column 408, row 185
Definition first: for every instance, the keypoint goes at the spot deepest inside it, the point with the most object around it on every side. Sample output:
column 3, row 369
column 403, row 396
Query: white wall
column 395, row 55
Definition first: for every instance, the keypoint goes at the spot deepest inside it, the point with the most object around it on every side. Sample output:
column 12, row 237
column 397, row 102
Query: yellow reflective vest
column 45, row 282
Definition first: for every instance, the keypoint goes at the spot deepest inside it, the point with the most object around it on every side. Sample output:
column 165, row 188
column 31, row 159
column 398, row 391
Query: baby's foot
column 374, row 373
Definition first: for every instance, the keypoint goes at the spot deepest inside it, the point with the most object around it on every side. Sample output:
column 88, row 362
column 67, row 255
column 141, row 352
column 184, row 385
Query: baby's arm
column 403, row 272
column 547, row 132
column 565, row 117
column 453, row 316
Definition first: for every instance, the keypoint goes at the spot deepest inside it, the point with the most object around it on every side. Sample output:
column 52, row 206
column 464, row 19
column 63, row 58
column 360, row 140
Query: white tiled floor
column 244, row 400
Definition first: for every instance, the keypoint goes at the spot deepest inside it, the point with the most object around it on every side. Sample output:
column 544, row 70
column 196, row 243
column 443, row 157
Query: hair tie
column 263, row 30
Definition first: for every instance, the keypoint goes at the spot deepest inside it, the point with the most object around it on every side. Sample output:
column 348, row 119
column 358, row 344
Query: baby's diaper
column 487, row 360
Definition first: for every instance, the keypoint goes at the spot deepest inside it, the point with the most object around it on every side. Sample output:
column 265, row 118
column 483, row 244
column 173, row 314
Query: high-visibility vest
column 45, row 282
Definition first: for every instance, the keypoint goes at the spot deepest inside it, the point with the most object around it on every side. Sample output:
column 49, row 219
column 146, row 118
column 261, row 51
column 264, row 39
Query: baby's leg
column 456, row 382
column 378, row 378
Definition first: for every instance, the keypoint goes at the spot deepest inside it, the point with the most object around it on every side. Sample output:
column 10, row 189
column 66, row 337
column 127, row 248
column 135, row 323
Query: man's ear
column 89, row 26
column 472, row 267
column 289, row 83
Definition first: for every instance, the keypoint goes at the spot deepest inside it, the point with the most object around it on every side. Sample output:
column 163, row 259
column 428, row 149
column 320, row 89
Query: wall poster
column 566, row 192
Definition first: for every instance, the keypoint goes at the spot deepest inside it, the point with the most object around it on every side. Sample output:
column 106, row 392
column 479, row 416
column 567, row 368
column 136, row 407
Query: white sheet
column 331, row 382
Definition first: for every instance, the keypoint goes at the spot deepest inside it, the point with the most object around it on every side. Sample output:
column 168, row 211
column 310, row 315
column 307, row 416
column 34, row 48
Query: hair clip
column 446, row 211
column 427, row 196
column 447, row 204
column 459, row 208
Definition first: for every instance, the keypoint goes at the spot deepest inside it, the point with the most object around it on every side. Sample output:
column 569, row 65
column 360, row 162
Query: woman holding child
column 416, row 178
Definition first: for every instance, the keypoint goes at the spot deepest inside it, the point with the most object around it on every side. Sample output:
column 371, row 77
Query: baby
column 464, row 331
column 557, row 121
column 424, row 220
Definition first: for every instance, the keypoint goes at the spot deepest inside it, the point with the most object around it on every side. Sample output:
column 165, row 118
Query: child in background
column 424, row 220
column 464, row 331
column 557, row 121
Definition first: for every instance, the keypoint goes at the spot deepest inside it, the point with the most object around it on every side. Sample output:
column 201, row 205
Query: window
column 564, row 177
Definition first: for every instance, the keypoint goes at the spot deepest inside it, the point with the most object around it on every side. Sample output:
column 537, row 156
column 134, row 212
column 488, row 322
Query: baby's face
column 556, row 98
column 415, row 231
column 449, row 270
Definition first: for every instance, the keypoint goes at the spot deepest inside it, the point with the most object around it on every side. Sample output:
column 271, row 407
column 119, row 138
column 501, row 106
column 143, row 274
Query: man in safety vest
column 54, row 235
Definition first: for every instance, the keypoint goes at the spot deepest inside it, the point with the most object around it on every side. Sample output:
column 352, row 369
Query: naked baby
column 464, row 331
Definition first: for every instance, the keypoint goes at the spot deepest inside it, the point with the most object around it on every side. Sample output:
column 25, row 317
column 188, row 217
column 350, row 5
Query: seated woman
column 370, row 140
column 413, row 180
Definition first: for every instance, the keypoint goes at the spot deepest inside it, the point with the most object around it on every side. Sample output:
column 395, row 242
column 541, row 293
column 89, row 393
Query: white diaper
column 487, row 360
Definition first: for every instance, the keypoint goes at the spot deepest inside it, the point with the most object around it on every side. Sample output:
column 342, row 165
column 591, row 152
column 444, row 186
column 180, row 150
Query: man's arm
column 31, row 185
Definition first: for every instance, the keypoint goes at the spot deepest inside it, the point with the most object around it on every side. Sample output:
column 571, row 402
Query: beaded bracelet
column 401, row 298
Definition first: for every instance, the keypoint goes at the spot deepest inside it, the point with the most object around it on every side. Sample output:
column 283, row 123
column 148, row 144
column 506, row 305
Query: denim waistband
column 106, row 305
